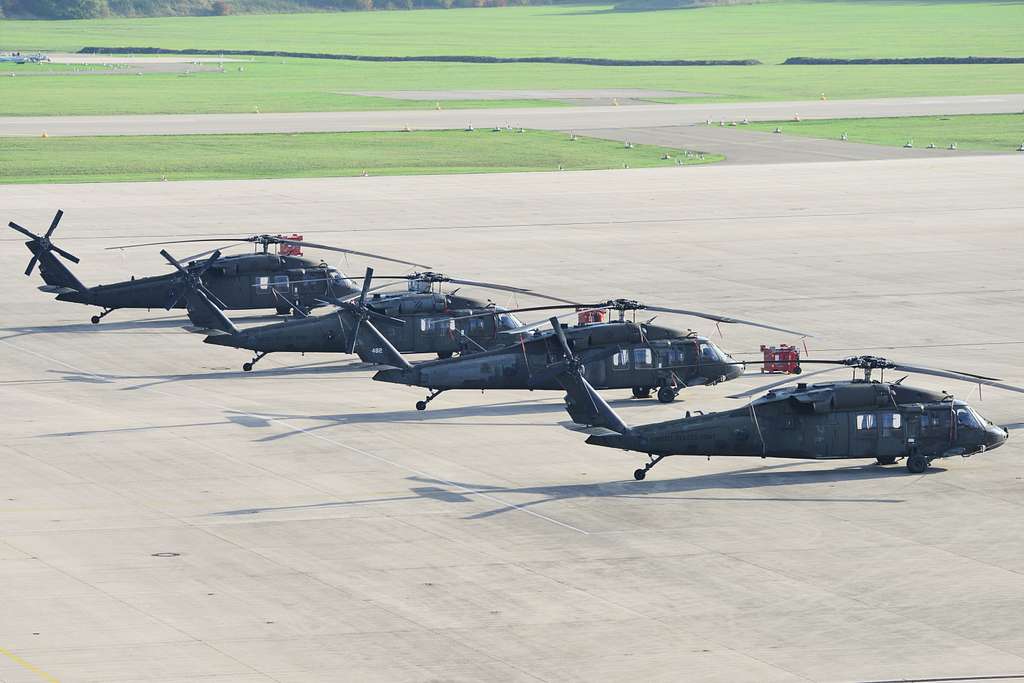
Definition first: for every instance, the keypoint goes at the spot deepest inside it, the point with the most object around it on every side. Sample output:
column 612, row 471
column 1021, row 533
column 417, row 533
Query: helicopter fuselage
column 824, row 421
column 616, row 355
column 245, row 281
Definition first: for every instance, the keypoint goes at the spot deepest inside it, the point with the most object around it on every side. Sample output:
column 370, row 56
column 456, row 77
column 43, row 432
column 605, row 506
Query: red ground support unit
column 291, row 249
column 783, row 359
column 592, row 316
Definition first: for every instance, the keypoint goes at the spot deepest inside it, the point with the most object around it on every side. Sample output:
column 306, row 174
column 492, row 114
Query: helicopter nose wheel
column 422, row 405
column 95, row 320
column 667, row 394
column 247, row 367
column 641, row 473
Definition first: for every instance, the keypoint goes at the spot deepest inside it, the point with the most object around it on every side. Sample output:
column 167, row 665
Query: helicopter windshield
column 710, row 353
column 966, row 417
column 507, row 321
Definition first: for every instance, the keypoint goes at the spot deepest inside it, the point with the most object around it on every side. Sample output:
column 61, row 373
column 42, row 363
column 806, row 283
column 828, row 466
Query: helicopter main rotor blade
column 724, row 319
column 222, row 247
column 962, row 376
column 790, row 379
column 157, row 244
column 315, row 245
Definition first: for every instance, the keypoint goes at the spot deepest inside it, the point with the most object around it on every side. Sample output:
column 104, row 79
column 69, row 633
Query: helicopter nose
column 996, row 436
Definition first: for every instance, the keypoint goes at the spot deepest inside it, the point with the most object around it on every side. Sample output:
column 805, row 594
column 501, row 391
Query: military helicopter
column 422, row 319
column 861, row 418
column 618, row 354
column 243, row 281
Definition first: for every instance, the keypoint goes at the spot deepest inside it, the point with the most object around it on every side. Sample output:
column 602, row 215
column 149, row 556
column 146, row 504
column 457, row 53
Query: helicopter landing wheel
column 95, row 320
column 422, row 405
column 667, row 394
column 886, row 460
column 917, row 464
column 247, row 366
column 640, row 474
column 641, row 392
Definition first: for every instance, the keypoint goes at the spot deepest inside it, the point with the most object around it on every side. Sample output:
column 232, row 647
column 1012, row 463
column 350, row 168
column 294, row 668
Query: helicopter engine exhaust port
column 95, row 320
column 422, row 405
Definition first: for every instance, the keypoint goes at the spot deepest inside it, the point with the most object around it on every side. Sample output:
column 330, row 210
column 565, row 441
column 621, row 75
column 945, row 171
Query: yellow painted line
column 28, row 665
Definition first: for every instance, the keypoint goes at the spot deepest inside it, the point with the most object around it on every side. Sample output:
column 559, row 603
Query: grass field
column 203, row 157
column 995, row 132
column 768, row 31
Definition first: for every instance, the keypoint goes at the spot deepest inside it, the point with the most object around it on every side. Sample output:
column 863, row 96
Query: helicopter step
column 97, row 318
column 247, row 367
column 641, row 473
column 422, row 405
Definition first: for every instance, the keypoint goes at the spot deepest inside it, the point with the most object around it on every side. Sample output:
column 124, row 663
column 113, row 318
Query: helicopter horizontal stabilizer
column 583, row 429
column 54, row 289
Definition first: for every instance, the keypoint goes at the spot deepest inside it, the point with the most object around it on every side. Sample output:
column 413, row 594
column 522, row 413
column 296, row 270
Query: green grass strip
column 304, row 155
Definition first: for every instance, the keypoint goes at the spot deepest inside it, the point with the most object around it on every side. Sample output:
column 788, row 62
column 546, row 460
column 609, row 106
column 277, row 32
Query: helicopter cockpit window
column 642, row 357
column 709, row 353
column 507, row 321
column 866, row 421
column 620, row 361
column 475, row 326
column 965, row 417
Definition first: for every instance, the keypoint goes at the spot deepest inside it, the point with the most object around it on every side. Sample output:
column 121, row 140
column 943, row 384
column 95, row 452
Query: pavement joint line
column 29, row 666
column 321, row 437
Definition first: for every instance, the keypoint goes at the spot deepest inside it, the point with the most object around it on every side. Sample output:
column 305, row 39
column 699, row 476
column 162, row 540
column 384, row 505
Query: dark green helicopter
column 243, row 281
column 618, row 354
column 422, row 319
column 861, row 418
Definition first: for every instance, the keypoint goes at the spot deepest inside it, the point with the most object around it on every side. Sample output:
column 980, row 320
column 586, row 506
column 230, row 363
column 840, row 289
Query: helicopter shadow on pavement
column 760, row 477
column 145, row 324
column 319, row 368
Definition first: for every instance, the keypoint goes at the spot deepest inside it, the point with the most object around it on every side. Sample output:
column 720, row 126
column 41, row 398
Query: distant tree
column 221, row 7
column 64, row 9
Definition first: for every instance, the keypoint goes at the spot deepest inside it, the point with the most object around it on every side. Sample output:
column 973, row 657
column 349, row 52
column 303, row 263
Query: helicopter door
column 863, row 435
column 892, row 437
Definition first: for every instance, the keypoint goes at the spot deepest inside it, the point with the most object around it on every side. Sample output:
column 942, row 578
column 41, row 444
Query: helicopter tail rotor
column 365, row 339
column 190, row 282
column 42, row 247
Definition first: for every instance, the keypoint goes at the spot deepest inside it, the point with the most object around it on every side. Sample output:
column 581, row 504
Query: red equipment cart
column 290, row 249
column 782, row 359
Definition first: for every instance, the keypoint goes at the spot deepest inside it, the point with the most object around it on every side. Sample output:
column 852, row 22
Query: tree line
column 88, row 9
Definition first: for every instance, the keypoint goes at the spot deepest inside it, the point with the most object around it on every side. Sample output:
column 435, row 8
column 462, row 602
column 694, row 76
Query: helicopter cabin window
column 866, row 422
column 643, row 358
column 280, row 283
column 620, row 361
column 263, row 282
column 475, row 326
column 441, row 325
column 671, row 358
column 891, row 424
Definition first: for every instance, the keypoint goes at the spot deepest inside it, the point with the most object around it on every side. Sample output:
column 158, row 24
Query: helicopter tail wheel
column 667, row 394
column 641, row 392
column 422, row 405
column 917, row 464
column 95, row 320
column 641, row 473
column 247, row 367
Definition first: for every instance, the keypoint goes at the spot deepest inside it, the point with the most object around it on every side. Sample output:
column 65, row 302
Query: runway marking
column 28, row 666
column 321, row 437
